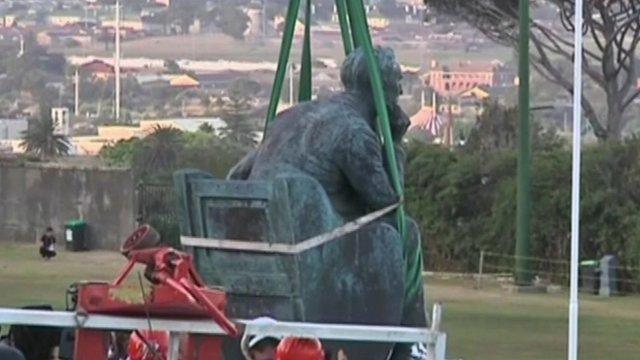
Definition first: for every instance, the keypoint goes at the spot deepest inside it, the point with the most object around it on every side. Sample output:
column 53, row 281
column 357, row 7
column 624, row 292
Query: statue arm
column 242, row 169
column 362, row 163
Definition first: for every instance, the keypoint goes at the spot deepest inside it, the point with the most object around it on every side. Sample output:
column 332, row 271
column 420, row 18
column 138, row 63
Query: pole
column 264, row 19
column 291, row 84
column 117, row 61
column 345, row 28
column 283, row 58
column 523, row 274
column 306, row 87
column 480, row 268
column 575, row 183
column 76, row 102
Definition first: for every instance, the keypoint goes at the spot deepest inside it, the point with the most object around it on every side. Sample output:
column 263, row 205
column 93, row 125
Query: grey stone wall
column 33, row 197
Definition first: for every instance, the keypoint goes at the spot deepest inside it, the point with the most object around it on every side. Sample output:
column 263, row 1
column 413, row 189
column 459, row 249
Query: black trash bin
column 590, row 276
column 75, row 235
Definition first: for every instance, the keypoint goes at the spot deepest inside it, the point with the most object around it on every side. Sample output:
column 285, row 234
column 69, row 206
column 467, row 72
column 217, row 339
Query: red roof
column 98, row 67
column 101, row 67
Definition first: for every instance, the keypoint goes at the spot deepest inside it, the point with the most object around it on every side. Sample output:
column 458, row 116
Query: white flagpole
column 117, row 61
column 575, row 182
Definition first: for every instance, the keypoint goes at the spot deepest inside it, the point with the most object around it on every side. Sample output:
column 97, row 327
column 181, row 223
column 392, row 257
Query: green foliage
column 496, row 128
column 240, row 128
column 185, row 12
column 155, row 157
column 159, row 151
column 466, row 201
column 231, row 20
column 206, row 128
column 120, row 154
column 172, row 66
column 40, row 138
column 31, row 71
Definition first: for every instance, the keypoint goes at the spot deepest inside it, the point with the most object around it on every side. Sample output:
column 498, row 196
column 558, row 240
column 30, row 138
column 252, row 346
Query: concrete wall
column 34, row 197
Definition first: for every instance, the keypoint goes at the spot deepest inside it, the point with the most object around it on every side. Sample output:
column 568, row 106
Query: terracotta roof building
column 450, row 80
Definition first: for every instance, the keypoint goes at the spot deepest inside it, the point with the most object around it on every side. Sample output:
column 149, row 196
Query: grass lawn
column 25, row 278
column 493, row 324
column 488, row 324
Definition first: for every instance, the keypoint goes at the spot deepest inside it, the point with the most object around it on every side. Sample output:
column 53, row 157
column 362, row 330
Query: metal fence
column 157, row 206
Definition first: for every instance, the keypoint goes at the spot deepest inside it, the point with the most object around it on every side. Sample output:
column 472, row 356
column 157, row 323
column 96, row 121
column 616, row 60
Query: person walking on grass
column 47, row 246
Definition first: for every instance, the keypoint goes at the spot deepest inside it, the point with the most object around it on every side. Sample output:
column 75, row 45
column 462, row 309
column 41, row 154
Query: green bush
column 465, row 201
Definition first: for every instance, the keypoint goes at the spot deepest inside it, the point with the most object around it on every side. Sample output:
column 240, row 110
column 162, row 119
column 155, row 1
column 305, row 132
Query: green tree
column 122, row 153
column 159, row 151
column 612, row 35
column 231, row 20
column 240, row 128
column 496, row 129
column 172, row 66
column 185, row 12
column 41, row 139
column 206, row 128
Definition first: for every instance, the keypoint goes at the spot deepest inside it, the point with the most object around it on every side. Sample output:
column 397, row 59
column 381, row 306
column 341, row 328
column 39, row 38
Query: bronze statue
column 334, row 142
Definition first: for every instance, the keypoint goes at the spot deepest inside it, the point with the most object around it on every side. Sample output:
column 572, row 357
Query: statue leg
column 357, row 280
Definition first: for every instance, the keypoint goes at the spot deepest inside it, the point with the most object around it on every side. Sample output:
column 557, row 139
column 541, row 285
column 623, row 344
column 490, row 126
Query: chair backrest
column 284, row 210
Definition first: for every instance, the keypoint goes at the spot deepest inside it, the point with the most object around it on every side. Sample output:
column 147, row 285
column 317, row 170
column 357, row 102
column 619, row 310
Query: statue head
column 354, row 73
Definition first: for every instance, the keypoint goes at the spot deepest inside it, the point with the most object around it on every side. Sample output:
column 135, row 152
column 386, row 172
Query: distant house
column 476, row 93
column 98, row 69
column 378, row 22
column 11, row 129
column 8, row 20
column 184, row 82
column 278, row 24
column 64, row 35
column 451, row 80
column 219, row 80
column 101, row 70
column 64, row 19
column 133, row 24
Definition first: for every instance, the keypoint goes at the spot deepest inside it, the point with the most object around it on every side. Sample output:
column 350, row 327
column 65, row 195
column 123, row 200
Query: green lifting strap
column 345, row 30
column 360, row 29
column 351, row 5
column 304, row 93
column 283, row 58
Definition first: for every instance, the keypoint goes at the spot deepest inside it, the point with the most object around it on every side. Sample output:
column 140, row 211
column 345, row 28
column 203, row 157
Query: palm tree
column 206, row 128
column 160, row 150
column 42, row 140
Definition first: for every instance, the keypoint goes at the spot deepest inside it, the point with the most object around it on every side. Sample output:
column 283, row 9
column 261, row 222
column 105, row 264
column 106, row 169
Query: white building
column 60, row 116
column 11, row 129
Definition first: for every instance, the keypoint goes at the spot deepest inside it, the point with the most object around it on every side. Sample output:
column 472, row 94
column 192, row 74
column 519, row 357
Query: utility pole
column 21, row 52
column 117, row 62
column 264, row 18
column 523, row 275
column 76, row 103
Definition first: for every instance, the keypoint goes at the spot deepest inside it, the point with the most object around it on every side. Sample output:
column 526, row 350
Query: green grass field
column 488, row 324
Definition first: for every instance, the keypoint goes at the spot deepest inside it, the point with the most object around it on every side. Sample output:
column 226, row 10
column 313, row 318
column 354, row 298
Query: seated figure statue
column 333, row 141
